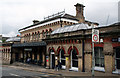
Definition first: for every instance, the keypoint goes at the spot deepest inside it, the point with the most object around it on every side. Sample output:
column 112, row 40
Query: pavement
column 64, row 73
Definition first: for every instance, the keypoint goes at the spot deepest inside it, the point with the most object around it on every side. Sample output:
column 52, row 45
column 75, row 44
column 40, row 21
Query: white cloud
column 20, row 13
column 10, row 34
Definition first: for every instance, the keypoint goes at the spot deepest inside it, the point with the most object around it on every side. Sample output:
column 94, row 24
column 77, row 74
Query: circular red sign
column 95, row 38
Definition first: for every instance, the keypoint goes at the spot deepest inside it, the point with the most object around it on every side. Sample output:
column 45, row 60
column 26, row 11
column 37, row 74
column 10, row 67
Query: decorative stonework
column 87, row 52
column 79, row 56
column 56, row 54
column 66, row 55
column 109, row 53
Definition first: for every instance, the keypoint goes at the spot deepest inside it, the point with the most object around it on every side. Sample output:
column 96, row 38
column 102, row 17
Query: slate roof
column 71, row 28
column 13, row 39
column 30, row 44
column 68, row 16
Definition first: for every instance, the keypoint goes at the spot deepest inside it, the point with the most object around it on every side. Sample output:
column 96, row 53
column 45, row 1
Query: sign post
column 95, row 38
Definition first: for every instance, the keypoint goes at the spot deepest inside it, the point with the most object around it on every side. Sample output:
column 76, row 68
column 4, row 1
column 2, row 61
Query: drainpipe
column 11, row 60
column 83, row 45
column 60, row 22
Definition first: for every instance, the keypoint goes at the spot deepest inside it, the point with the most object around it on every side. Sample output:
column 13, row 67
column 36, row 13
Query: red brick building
column 72, row 45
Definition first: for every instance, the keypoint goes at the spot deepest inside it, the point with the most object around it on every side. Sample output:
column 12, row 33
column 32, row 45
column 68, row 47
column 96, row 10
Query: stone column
column 88, row 56
column 9, row 56
column 80, row 63
column 67, row 61
column 32, row 56
column 108, row 58
column 43, row 57
column 38, row 57
column 88, row 61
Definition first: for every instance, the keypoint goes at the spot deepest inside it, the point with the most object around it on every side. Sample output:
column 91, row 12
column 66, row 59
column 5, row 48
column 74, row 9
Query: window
column 74, row 58
column 38, row 36
column 62, row 57
column 99, row 57
column 46, row 32
column 117, row 58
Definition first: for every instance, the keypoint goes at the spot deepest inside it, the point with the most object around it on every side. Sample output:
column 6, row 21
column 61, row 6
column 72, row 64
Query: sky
column 16, row 14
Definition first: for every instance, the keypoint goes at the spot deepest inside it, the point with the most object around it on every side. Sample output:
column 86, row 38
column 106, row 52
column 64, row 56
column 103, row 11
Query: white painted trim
column 73, row 69
column 63, row 19
column 99, row 69
column 63, row 67
column 117, row 71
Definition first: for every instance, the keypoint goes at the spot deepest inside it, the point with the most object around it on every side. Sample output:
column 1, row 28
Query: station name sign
column 28, row 49
column 116, row 39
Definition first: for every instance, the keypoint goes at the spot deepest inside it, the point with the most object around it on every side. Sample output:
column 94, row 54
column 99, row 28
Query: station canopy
column 71, row 28
column 30, row 44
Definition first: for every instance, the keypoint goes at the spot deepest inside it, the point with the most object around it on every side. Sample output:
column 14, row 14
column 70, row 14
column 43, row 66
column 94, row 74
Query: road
column 8, row 72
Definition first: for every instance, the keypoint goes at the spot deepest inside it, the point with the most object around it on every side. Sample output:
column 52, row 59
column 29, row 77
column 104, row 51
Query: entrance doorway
column 52, row 60
column 16, row 56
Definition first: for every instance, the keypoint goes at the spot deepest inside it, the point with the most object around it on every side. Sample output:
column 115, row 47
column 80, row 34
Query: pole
column 83, row 45
column 93, row 59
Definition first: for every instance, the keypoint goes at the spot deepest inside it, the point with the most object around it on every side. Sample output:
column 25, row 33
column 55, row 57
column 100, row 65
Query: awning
column 31, row 44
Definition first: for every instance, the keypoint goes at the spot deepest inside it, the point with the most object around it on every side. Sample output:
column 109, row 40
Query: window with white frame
column 62, row 57
column 99, row 57
column 117, row 58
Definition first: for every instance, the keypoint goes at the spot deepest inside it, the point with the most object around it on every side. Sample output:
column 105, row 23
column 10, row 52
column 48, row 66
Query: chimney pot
column 35, row 21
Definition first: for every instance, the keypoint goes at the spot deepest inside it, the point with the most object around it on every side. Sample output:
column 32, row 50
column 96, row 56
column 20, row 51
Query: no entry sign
column 95, row 35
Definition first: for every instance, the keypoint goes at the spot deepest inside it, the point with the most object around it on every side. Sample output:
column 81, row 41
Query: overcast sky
column 16, row 14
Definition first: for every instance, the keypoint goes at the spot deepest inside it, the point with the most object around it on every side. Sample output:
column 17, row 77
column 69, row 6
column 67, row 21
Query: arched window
column 46, row 31
column 74, row 58
column 29, row 36
column 33, row 36
column 38, row 35
column 43, row 33
column 50, row 30
column 73, row 55
column 61, row 52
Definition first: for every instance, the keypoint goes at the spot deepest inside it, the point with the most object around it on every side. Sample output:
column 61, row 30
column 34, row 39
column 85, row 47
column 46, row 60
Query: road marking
column 13, row 74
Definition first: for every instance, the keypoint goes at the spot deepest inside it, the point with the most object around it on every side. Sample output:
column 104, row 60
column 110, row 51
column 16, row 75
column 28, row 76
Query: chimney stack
column 35, row 21
column 79, row 12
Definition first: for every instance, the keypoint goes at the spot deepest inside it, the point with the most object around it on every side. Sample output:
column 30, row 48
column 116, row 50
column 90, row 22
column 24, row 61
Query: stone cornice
column 87, row 52
column 79, row 56
column 109, row 53
column 66, row 55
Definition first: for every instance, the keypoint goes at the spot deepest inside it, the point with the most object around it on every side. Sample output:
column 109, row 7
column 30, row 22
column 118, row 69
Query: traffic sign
column 95, row 35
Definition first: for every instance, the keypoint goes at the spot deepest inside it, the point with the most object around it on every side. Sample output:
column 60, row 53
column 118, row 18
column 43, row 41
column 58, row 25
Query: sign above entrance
column 27, row 49
column 52, row 53
column 95, row 35
column 119, row 39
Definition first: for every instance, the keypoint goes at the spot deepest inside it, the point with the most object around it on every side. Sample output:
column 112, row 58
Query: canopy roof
column 30, row 44
column 71, row 28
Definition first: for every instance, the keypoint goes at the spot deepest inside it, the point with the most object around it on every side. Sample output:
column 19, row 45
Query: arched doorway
column 62, row 57
column 52, row 58
column 74, row 59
